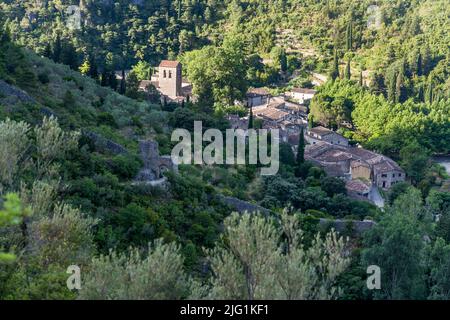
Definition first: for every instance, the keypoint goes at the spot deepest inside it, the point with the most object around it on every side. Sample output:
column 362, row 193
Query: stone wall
column 154, row 164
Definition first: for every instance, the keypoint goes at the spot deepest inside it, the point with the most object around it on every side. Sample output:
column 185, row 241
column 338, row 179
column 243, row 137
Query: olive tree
column 265, row 258
column 158, row 275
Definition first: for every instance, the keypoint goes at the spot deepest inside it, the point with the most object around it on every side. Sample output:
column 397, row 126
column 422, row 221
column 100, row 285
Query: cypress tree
column 347, row 73
column 179, row 9
column 361, row 83
column 283, row 61
column 122, row 88
column 48, row 51
column 104, row 81
column 349, row 37
column 93, row 71
column 391, row 86
column 429, row 95
column 250, row 119
column 420, row 94
column 57, row 49
column 301, row 148
column 399, row 89
column 419, row 64
column 311, row 121
column 335, row 68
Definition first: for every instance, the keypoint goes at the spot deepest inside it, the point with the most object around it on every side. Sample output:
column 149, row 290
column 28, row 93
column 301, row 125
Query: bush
column 126, row 166
column 43, row 78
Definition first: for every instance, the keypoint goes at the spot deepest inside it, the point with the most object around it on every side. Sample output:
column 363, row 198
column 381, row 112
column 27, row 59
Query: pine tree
column 69, row 56
column 301, row 148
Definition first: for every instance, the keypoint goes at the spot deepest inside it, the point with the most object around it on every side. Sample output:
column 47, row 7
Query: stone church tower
column 170, row 78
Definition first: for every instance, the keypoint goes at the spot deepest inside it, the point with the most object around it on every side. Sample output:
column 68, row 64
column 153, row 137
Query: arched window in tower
column 170, row 74
column 165, row 74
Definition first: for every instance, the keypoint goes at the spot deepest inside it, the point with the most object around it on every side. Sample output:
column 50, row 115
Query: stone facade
column 154, row 164
column 170, row 78
column 257, row 97
column 301, row 94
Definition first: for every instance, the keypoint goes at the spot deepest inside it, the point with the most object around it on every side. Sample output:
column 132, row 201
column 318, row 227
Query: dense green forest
column 67, row 197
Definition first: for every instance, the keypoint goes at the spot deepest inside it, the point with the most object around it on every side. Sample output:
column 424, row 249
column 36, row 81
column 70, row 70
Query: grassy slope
column 78, row 101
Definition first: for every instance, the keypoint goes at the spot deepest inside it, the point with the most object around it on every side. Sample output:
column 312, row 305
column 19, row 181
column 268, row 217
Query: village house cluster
column 363, row 171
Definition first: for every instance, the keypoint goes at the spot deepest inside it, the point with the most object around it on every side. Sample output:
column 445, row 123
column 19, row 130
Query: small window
column 165, row 74
column 393, row 175
column 384, row 175
column 170, row 74
column 399, row 174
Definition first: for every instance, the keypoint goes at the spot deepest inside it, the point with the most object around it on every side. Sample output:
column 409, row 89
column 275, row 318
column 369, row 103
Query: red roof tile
column 169, row 64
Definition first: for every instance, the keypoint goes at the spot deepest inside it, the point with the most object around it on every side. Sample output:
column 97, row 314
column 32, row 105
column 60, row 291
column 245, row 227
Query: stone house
column 352, row 163
column 301, row 94
column 257, row 97
column 318, row 134
column 358, row 189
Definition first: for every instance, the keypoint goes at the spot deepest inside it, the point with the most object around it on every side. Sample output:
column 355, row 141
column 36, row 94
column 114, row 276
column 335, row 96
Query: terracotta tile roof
column 272, row 113
column 322, row 131
column 357, row 186
column 325, row 153
column 252, row 92
column 169, row 64
column 386, row 165
column 334, row 155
